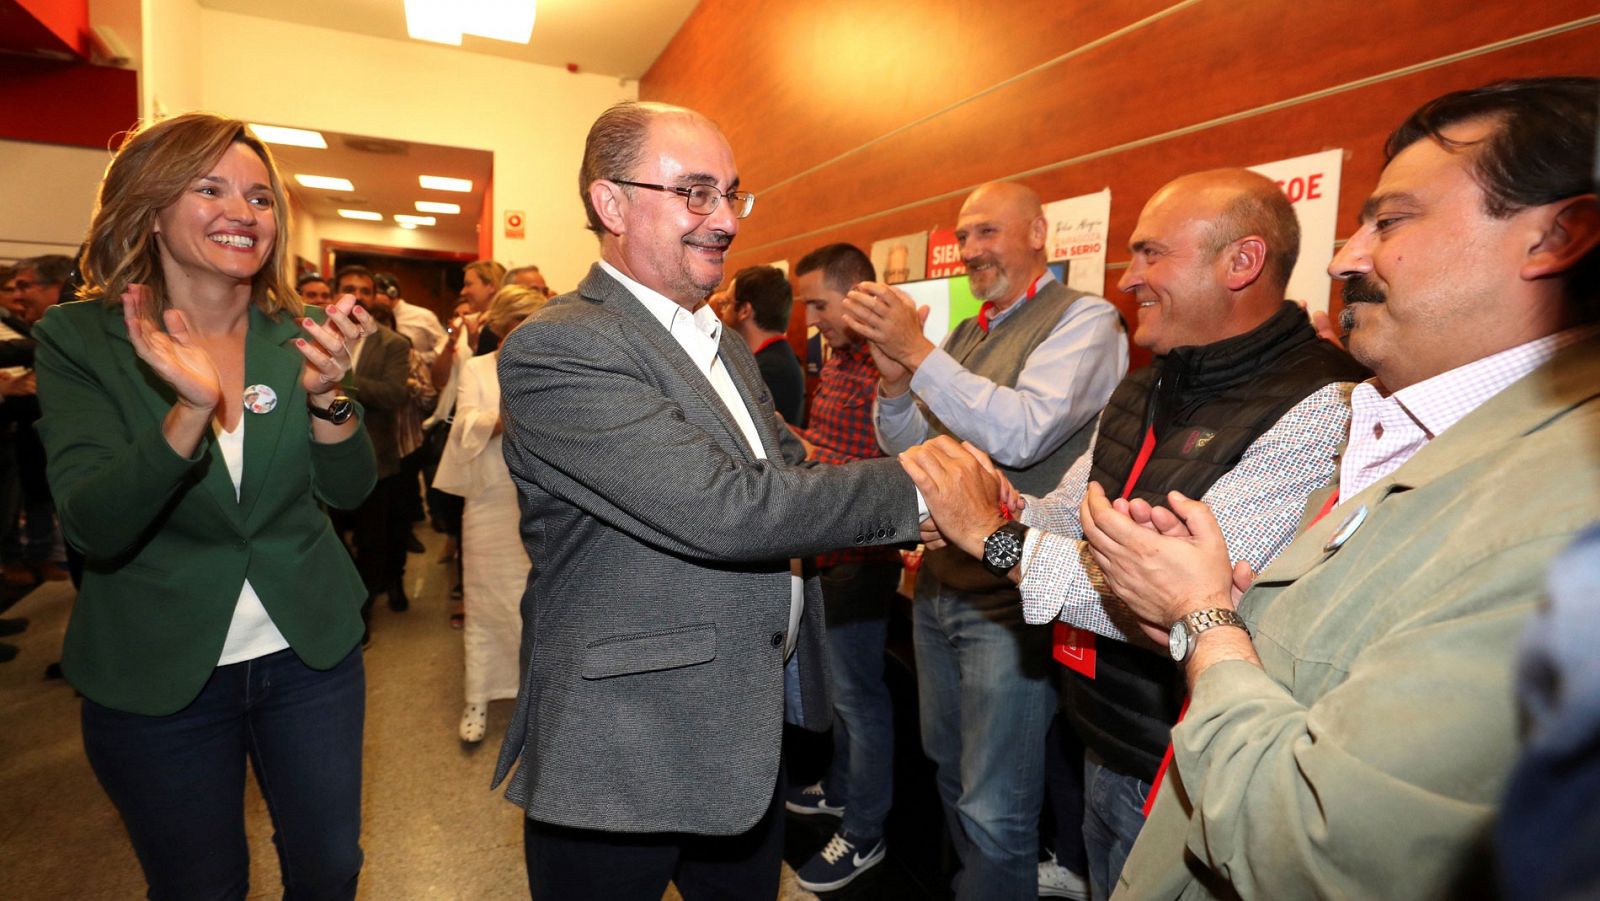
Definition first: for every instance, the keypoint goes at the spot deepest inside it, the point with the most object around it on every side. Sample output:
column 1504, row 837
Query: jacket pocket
column 649, row 652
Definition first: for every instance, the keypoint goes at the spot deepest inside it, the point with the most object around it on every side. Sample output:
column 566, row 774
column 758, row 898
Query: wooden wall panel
column 855, row 121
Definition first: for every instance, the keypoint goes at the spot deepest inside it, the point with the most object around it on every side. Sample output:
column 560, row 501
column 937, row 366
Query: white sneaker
column 474, row 721
column 1056, row 881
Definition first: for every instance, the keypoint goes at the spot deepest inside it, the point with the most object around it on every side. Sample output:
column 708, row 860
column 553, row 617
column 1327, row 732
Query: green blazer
column 167, row 546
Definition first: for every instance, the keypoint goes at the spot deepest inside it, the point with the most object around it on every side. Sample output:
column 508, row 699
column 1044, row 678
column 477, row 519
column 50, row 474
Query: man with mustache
column 1244, row 405
column 667, row 630
column 1351, row 720
column 1022, row 381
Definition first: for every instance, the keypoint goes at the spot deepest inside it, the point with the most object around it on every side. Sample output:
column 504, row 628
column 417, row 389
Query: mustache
column 1358, row 289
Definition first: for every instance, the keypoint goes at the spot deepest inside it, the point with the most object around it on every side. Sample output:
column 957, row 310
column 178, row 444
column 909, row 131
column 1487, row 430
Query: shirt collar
column 1035, row 286
column 666, row 311
column 1440, row 402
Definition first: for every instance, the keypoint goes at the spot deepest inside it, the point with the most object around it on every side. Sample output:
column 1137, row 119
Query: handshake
column 968, row 497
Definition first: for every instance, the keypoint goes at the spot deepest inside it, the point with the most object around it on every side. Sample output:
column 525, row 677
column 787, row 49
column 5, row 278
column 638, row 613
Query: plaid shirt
column 841, row 429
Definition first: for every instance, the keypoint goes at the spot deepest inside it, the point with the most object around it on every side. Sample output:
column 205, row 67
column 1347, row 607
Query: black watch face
column 1002, row 550
column 340, row 410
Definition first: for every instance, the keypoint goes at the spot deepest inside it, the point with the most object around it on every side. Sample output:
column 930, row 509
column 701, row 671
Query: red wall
column 855, row 120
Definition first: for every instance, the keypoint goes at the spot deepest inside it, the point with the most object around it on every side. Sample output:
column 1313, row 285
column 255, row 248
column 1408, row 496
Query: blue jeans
column 856, row 597
column 1113, row 815
column 987, row 694
column 178, row 780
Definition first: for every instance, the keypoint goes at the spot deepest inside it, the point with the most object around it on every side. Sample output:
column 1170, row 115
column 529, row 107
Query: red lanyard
column 987, row 310
column 769, row 342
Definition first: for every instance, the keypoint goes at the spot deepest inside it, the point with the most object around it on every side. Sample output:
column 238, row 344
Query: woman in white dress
column 494, row 562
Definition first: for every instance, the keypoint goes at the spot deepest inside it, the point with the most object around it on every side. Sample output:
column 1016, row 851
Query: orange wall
column 855, row 120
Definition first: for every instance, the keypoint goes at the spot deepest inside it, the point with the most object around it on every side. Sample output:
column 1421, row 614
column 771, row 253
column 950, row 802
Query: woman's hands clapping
column 327, row 345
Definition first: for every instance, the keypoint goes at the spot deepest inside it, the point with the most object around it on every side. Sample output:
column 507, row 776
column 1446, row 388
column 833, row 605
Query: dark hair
column 615, row 147
column 842, row 265
column 356, row 270
column 308, row 278
column 383, row 315
column 766, row 290
column 386, row 284
column 51, row 269
column 1542, row 150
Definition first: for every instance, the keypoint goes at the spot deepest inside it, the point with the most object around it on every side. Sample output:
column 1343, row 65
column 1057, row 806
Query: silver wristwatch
column 1181, row 637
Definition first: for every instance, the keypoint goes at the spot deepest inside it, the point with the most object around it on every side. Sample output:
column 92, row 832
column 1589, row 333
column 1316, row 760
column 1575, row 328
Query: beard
column 1358, row 289
column 999, row 288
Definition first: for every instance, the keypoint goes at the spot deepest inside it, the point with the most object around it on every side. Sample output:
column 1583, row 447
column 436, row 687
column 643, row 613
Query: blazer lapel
column 599, row 287
column 158, row 398
column 268, row 360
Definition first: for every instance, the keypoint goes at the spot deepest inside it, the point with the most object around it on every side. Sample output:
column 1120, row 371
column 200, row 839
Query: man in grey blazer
column 665, row 634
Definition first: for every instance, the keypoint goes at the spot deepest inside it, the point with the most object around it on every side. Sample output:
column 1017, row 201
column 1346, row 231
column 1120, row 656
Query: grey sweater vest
column 999, row 355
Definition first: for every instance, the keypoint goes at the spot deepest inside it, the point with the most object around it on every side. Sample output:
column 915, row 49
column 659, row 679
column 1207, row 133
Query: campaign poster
column 1077, row 238
column 944, row 254
column 1311, row 183
column 901, row 259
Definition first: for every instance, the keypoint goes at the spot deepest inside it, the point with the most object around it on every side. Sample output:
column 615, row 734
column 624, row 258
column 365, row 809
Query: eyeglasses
column 703, row 199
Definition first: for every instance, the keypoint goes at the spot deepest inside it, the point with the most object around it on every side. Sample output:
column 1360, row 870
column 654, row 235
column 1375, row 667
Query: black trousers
column 588, row 865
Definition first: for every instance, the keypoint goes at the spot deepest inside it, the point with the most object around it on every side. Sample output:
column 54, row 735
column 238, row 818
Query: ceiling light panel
column 440, row 183
column 366, row 215
column 445, row 21
column 434, row 206
column 414, row 221
column 325, row 182
column 293, row 137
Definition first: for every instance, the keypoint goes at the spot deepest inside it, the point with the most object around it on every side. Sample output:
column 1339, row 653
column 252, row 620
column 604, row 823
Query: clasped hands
column 1162, row 562
column 968, row 497
column 891, row 323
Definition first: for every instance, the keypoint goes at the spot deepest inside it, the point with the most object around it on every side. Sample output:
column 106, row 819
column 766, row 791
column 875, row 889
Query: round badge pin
column 260, row 398
column 1346, row 529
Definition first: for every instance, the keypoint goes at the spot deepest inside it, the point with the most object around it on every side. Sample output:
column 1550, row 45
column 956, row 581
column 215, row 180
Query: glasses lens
column 703, row 199
column 742, row 202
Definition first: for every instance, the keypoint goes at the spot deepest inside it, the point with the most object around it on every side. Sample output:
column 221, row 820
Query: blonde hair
column 513, row 302
column 489, row 272
column 156, row 164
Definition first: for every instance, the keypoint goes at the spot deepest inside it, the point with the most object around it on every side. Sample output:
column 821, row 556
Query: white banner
column 1312, row 185
column 1078, row 232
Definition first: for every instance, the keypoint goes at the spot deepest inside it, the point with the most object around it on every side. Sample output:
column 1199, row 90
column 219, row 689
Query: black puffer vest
column 1208, row 405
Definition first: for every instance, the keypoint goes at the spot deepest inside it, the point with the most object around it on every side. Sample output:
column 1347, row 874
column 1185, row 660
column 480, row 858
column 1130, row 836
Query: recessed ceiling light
column 445, row 21
column 411, row 225
column 440, row 183
column 293, row 137
column 362, row 214
column 413, row 221
column 325, row 182
column 433, row 206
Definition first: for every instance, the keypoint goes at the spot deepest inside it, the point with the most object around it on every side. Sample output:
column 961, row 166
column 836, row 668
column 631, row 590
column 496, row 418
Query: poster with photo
column 1311, row 183
column 1078, row 229
column 901, row 259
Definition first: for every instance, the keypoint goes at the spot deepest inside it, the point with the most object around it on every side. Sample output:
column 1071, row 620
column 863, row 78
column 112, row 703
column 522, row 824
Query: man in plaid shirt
column 857, row 585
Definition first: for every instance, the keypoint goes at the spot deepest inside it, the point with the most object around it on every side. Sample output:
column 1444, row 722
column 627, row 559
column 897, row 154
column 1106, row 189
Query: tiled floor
column 432, row 828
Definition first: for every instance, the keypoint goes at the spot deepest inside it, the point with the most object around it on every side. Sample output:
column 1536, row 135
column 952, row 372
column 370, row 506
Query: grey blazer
column 654, row 619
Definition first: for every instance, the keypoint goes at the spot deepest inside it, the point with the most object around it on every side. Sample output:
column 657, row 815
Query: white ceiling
column 386, row 182
column 606, row 37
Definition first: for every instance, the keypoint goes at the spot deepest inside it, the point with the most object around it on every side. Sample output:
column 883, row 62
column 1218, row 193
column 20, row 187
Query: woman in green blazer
column 192, row 419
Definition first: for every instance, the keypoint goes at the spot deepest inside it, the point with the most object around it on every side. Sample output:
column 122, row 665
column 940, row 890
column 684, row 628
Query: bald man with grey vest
column 1023, row 381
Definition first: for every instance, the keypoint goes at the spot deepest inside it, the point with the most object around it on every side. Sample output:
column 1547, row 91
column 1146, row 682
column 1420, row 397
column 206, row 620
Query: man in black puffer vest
column 1245, row 406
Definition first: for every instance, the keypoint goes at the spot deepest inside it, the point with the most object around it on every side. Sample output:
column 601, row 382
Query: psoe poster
column 1078, row 232
column 1312, row 185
